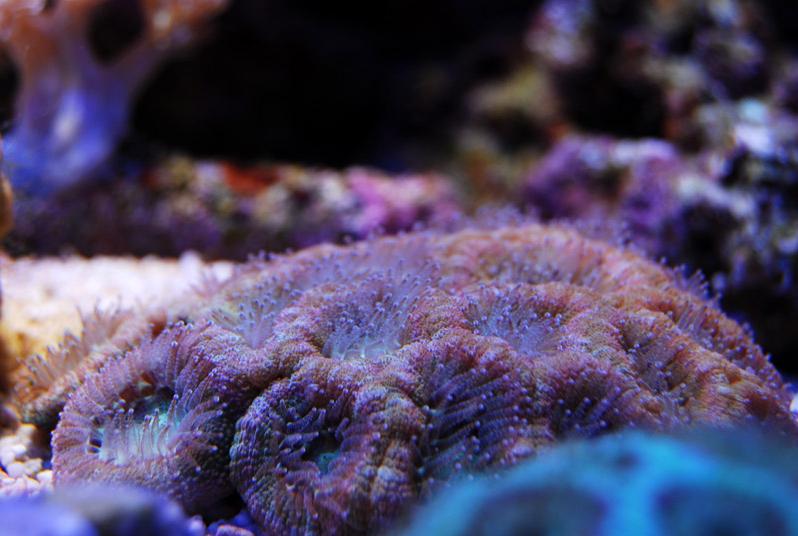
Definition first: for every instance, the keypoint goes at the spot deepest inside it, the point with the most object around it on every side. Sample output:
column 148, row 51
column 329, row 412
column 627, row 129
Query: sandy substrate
column 42, row 298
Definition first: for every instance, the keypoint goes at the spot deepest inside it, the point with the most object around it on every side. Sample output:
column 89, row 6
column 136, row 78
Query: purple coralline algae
column 381, row 370
column 727, row 212
column 222, row 210
column 642, row 68
column 741, row 228
column 600, row 178
column 632, row 483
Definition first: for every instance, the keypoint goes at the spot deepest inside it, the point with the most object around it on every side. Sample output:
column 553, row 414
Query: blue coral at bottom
column 734, row 484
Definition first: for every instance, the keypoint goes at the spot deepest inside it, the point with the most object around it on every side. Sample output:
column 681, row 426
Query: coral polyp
column 324, row 451
column 160, row 417
column 533, row 319
column 253, row 318
column 371, row 329
column 387, row 368
column 477, row 400
column 364, row 322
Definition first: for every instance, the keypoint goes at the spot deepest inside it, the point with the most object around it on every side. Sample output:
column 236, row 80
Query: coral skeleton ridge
column 335, row 387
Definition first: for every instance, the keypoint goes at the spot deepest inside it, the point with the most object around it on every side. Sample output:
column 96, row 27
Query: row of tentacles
column 335, row 387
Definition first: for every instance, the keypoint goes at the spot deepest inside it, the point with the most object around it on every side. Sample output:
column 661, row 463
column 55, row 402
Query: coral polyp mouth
column 371, row 324
column 147, row 429
column 524, row 333
column 323, row 451
column 257, row 311
column 367, row 330
column 367, row 320
column 532, row 319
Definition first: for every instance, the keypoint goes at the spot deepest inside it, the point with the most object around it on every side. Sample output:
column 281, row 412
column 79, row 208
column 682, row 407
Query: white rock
column 16, row 470
column 45, row 478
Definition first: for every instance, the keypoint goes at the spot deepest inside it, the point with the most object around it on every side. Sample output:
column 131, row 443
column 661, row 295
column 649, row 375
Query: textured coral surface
column 391, row 366
column 162, row 418
column 631, row 484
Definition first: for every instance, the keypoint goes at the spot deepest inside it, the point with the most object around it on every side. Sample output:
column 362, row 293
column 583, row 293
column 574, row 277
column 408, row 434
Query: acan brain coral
column 388, row 367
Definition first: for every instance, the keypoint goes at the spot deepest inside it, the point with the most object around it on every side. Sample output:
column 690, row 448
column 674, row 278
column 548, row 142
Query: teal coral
column 631, row 484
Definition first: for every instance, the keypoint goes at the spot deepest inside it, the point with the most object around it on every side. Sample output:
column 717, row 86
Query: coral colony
column 335, row 387
column 473, row 267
